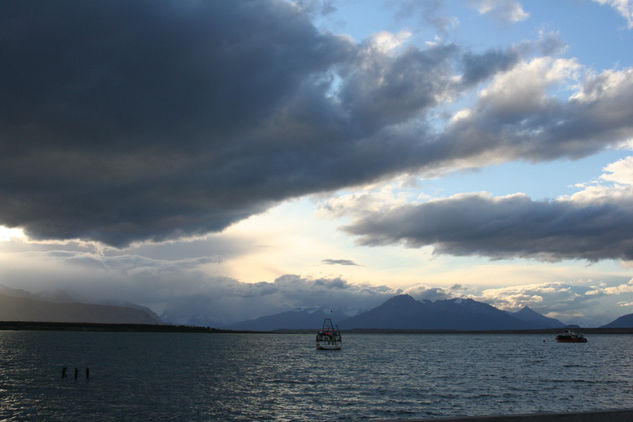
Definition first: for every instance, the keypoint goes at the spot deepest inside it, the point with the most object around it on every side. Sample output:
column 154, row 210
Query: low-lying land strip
column 167, row 328
column 76, row 326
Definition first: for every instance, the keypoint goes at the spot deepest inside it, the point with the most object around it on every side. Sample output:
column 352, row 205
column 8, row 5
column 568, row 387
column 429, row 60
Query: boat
column 328, row 337
column 570, row 336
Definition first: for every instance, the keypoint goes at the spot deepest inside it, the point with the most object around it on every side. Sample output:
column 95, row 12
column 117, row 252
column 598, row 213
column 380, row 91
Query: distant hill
column 404, row 312
column 291, row 320
column 625, row 321
column 537, row 320
column 26, row 307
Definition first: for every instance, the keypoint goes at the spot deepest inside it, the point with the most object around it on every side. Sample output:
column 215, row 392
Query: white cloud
column 503, row 10
column 579, row 302
column 386, row 42
column 607, row 84
column 529, row 81
column 424, row 292
column 372, row 198
column 543, row 109
column 619, row 173
column 461, row 114
column 516, row 297
column 613, row 290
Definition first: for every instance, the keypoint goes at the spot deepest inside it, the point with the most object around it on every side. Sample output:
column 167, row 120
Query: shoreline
column 108, row 327
column 166, row 328
column 615, row 415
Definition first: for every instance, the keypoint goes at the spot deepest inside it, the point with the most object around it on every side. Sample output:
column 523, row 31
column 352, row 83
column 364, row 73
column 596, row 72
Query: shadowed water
column 166, row 376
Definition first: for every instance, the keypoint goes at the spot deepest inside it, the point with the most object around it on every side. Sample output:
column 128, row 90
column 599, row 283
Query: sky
column 220, row 161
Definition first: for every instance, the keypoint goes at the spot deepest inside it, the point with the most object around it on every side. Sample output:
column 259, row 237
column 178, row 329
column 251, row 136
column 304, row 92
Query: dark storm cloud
column 338, row 262
column 136, row 120
column 386, row 90
column 147, row 119
column 318, row 7
column 479, row 67
column 506, row 227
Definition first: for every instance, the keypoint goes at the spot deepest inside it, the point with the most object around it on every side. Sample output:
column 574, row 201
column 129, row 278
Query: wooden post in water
column 87, row 373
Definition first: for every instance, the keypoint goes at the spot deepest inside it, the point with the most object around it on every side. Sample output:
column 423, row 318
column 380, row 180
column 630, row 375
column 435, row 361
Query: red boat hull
column 571, row 340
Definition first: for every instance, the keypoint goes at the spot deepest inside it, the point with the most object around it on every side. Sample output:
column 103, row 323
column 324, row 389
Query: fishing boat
column 570, row 336
column 328, row 337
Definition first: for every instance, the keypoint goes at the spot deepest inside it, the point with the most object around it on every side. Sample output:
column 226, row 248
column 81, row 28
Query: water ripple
column 153, row 376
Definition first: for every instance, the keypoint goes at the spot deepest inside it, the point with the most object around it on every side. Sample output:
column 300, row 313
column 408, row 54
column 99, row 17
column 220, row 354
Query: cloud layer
column 503, row 10
column 173, row 286
column 124, row 121
column 593, row 224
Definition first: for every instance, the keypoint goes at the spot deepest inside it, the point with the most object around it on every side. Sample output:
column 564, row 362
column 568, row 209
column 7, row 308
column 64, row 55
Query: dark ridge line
column 167, row 328
column 106, row 327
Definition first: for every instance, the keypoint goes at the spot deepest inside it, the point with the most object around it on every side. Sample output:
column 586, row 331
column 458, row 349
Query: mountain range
column 625, row 321
column 528, row 315
column 404, row 312
column 289, row 320
column 20, row 305
column 399, row 312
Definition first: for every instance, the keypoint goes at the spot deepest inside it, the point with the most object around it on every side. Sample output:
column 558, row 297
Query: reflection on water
column 139, row 376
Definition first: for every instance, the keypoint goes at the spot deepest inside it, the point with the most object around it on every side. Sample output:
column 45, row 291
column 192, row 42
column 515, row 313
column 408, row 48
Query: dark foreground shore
column 625, row 415
column 166, row 328
column 540, row 331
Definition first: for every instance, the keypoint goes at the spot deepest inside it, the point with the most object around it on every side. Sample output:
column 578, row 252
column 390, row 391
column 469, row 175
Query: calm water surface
column 166, row 376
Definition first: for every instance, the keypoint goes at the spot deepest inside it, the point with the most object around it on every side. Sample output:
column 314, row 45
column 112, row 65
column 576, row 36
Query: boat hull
column 328, row 337
column 326, row 346
column 571, row 340
column 571, row 336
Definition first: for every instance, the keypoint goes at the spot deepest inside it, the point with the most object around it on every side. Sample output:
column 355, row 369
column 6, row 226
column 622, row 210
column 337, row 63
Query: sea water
column 184, row 376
